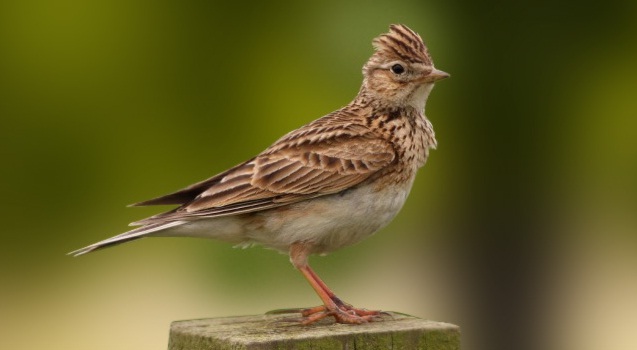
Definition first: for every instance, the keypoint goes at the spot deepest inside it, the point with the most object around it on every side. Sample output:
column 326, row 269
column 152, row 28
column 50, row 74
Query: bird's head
column 400, row 73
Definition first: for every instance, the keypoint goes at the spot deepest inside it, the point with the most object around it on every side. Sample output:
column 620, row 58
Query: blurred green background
column 521, row 228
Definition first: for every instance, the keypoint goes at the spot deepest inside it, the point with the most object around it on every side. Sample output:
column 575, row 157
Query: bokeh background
column 522, row 228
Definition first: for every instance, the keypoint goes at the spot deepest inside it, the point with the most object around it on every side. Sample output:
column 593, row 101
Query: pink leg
column 332, row 305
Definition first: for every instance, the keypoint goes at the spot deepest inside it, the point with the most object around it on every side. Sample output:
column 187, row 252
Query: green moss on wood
column 274, row 333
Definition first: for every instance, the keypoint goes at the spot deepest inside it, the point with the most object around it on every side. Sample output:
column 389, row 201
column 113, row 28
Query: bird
column 326, row 185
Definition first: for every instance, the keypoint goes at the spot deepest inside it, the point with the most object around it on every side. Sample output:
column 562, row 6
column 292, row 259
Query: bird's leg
column 332, row 305
column 341, row 304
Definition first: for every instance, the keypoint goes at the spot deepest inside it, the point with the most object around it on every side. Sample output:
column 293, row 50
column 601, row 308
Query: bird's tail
column 131, row 235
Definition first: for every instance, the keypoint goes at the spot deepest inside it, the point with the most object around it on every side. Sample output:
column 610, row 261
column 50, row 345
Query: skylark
column 324, row 186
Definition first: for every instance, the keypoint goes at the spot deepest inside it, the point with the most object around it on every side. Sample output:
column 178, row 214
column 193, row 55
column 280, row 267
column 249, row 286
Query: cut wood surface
column 282, row 331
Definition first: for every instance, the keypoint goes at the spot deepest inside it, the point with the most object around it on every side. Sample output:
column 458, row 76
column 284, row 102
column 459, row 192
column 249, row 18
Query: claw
column 313, row 310
column 342, row 313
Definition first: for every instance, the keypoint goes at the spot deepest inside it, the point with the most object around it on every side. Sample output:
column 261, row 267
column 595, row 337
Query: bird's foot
column 342, row 313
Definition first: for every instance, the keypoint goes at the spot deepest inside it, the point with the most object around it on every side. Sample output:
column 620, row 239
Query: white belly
column 329, row 222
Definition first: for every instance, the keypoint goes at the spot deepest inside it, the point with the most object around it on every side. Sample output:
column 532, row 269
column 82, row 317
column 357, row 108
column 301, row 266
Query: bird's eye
column 398, row 69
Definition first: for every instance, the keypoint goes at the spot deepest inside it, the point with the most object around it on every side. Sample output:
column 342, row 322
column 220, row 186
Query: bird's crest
column 401, row 43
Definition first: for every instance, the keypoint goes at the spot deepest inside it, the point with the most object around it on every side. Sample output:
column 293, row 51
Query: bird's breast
column 333, row 221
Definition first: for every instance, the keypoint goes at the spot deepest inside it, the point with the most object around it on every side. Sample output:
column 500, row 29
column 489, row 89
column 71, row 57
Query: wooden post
column 269, row 332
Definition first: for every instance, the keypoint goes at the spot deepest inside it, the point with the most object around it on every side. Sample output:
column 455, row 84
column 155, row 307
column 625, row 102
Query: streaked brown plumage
column 326, row 185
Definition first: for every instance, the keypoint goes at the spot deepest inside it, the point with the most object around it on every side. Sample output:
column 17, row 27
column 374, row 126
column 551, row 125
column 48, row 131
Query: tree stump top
column 268, row 332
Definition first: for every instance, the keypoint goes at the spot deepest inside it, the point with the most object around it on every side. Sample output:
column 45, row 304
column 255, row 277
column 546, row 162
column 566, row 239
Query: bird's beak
column 436, row 75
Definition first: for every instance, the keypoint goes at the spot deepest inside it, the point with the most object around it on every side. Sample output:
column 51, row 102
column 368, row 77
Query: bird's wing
column 189, row 193
column 293, row 169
